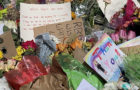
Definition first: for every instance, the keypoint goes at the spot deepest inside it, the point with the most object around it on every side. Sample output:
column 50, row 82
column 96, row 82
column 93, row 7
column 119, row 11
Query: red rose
column 29, row 44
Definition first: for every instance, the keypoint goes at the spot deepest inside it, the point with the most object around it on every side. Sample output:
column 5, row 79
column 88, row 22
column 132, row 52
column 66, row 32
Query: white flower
column 9, row 24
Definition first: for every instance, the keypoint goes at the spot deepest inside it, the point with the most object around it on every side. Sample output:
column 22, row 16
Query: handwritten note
column 113, row 7
column 62, row 30
column 34, row 15
column 105, row 58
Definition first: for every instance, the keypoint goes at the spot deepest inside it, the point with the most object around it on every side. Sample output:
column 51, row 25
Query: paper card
column 85, row 85
column 1, row 29
column 8, row 44
column 113, row 7
column 105, row 58
column 62, row 30
column 34, row 15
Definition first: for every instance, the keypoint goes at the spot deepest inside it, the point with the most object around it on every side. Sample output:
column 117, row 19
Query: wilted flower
column 131, row 34
column 123, row 34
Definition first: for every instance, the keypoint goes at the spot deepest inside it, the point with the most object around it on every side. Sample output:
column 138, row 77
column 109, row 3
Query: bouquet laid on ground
column 126, row 23
column 26, row 48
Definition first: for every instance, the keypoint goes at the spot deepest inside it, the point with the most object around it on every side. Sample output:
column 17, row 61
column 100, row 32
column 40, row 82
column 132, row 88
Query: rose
column 115, row 37
column 123, row 34
column 29, row 44
column 131, row 34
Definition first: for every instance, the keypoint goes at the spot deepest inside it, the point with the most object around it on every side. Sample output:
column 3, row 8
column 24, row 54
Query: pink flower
column 131, row 34
column 115, row 37
column 112, row 35
column 29, row 44
column 123, row 34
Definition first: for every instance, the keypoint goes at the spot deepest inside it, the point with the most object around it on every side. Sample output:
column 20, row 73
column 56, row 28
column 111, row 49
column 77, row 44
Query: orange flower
column 76, row 43
column 60, row 47
column 73, row 15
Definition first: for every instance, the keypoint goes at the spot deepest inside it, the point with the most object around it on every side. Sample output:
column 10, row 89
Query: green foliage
column 76, row 72
column 1, row 73
column 132, row 68
column 86, row 9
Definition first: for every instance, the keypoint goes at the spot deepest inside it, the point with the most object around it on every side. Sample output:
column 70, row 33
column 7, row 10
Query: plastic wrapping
column 46, row 47
column 4, row 84
column 27, row 71
column 76, row 72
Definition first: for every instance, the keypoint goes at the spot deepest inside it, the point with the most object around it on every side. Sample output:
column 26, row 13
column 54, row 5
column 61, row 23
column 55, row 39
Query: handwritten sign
column 113, row 7
column 62, row 30
column 34, row 15
column 105, row 58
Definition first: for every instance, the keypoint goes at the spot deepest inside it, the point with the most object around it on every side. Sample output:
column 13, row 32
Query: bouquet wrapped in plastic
column 76, row 72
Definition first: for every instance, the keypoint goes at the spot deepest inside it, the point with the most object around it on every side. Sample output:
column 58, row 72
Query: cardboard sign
column 7, row 43
column 62, row 30
column 131, row 50
column 35, row 15
column 85, row 85
column 113, row 7
column 105, row 58
column 80, row 56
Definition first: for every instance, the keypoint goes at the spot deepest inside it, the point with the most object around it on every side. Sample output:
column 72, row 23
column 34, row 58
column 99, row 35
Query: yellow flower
column 17, row 57
column 136, row 20
column 1, row 54
column 20, row 50
column 73, row 15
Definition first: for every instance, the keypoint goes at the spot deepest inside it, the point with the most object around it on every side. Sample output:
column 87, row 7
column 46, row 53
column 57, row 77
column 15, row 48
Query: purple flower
column 131, row 34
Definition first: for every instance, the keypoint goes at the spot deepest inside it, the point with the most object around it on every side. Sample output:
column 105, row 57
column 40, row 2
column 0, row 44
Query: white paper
column 113, row 7
column 130, row 43
column 1, row 29
column 84, row 85
column 34, row 15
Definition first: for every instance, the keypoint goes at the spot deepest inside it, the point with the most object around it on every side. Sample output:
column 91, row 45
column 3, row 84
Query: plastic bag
column 46, row 46
column 28, row 70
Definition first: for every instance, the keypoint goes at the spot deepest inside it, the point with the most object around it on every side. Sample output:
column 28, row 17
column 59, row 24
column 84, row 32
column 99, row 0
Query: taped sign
column 63, row 30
